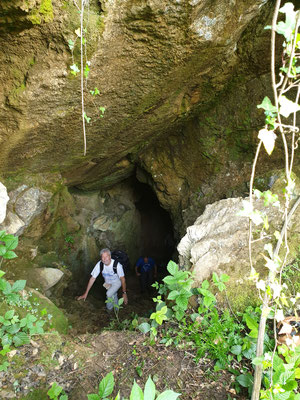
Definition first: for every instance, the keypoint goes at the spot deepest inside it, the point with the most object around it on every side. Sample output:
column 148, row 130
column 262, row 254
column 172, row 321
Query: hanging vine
column 81, row 34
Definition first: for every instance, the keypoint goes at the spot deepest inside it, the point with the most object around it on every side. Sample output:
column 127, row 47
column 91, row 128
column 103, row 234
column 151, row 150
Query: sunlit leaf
column 287, row 106
column 268, row 139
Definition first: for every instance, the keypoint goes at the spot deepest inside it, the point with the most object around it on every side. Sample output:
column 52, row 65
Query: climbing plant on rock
column 81, row 35
column 280, row 120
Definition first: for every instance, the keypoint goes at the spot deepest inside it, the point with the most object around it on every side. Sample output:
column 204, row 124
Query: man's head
column 145, row 259
column 105, row 256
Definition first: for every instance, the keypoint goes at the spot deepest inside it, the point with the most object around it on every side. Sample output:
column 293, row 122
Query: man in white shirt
column 113, row 277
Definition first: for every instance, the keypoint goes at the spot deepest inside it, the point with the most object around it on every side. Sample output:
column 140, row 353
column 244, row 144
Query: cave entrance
column 146, row 229
column 157, row 236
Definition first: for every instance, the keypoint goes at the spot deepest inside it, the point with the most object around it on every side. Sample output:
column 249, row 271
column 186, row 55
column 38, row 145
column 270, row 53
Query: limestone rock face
column 3, row 201
column 47, row 277
column 24, row 205
column 154, row 61
column 218, row 240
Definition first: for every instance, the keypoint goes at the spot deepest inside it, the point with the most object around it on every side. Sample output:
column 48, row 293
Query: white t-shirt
column 108, row 272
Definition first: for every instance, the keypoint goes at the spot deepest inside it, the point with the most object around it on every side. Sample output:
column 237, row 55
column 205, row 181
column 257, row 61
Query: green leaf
column 1, row 273
column 267, row 105
column 136, row 392
column 144, row 327
column 2, row 250
column 4, row 366
column 86, row 118
column 168, row 395
column 224, row 278
column 182, row 302
column 11, row 242
column 287, row 106
column 9, row 255
column 7, row 289
column 245, row 380
column 2, row 284
column 173, row 295
column 93, row 397
column 86, row 71
column 21, row 338
column 6, row 340
column 71, row 44
column 9, row 314
column 13, row 329
column 19, row 285
column 54, row 391
column 251, row 323
column 205, row 284
column 149, row 391
column 172, row 267
column 74, row 69
column 297, row 373
column 283, row 396
column 106, row 386
column 237, row 349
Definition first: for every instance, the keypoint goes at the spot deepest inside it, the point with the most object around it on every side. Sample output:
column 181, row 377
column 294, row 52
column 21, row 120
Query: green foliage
column 106, row 387
column 56, row 392
column 281, row 374
column 116, row 307
column 15, row 330
column 7, row 244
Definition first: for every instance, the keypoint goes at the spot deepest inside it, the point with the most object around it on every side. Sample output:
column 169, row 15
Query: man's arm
column 123, row 283
column 89, row 285
column 137, row 270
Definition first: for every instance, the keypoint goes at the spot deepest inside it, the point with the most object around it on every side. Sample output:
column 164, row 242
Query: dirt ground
column 78, row 363
column 79, row 360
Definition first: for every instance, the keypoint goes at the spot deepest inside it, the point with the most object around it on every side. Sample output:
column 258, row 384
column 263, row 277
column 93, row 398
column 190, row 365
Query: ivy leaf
column 74, row 69
column 86, row 71
column 86, row 118
column 286, row 28
column 71, row 44
column 267, row 105
column 287, row 106
column 78, row 32
column 268, row 139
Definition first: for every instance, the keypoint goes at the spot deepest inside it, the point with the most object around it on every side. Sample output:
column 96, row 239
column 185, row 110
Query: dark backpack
column 119, row 257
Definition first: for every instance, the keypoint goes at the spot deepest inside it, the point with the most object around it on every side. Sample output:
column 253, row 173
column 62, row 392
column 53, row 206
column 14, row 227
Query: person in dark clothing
column 146, row 270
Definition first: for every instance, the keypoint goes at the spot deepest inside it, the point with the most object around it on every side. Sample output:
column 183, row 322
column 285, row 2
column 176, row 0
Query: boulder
column 24, row 205
column 3, row 201
column 218, row 242
column 48, row 277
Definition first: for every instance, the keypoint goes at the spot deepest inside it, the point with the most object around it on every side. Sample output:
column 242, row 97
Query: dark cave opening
column 157, row 236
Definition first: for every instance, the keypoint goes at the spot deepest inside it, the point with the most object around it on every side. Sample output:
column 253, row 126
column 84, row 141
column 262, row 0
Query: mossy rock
column 39, row 303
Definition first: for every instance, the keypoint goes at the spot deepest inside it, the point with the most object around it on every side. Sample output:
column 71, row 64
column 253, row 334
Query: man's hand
column 84, row 296
column 125, row 298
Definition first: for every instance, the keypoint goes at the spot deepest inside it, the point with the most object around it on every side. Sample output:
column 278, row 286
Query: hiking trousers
column 112, row 293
